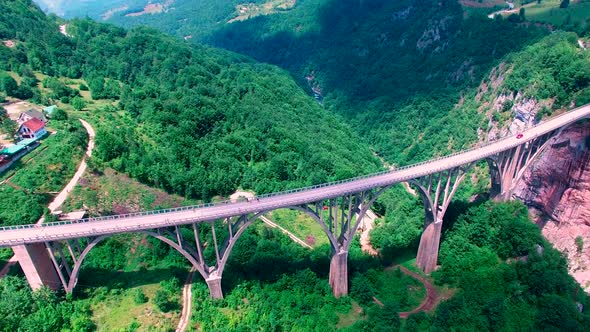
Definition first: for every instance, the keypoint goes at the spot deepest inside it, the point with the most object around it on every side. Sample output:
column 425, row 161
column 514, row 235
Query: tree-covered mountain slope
column 402, row 72
column 195, row 121
column 395, row 69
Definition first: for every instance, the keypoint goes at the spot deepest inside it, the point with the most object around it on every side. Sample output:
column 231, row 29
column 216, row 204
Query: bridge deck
column 10, row 236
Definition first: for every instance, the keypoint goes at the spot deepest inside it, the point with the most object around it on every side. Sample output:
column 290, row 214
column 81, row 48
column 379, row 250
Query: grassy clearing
column 548, row 11
column 354, row 315
column 111, row 192
column 301, row 225
column 114, row 307
column 394, row 286
column 119, row 312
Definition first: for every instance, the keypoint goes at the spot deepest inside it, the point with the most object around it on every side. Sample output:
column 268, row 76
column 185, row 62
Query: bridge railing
column 206, row 205
column 285, row 192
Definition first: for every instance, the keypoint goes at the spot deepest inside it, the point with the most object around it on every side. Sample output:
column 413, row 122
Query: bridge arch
column 341, row 241
column 508, row 167
column 233, row 239
column 78, row 264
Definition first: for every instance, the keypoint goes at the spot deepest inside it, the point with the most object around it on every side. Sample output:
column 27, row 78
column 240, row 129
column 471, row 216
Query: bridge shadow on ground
column 275, row 255
column 458, row 208
column 94, row 278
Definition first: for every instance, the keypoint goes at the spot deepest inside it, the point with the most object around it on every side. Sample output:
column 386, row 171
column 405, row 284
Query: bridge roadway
column 10, row 236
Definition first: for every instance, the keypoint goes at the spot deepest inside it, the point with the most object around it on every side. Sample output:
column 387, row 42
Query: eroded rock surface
column 557, row 189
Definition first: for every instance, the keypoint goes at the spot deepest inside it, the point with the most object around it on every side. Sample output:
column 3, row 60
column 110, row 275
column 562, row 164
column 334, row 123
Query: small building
column 49, row 110
column 33, row 128
column 10, row 154
column 12, row 150
column 31, row 114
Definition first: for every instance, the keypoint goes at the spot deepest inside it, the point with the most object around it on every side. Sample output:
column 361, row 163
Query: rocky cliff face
column 557, row 189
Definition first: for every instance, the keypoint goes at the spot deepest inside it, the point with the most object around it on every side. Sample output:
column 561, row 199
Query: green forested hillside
column 396, row 70
column 196, row 121
column 191, row 19
column 409, row 76
column 509, row 277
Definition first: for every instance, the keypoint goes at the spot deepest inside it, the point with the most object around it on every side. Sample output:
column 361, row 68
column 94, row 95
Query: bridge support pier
column 339, row 273
column 428, row 249
column 437, row 191
column 508, row 167
column 37, row 265
column 214, row 284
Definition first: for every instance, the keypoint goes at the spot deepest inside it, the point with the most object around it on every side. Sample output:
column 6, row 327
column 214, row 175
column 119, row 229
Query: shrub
column 59, row 115
column 139, row 297
column 579, row 243
column 162, row 302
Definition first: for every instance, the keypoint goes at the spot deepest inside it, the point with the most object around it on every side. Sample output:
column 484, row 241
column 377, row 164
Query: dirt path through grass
column 65, row 192
column 427, row 304
column 187, row 298
column 431, row 295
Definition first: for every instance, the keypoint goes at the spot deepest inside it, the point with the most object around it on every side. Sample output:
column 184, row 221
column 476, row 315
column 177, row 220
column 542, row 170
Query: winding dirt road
column 431, row 295
column 65, row 192
column 187, row 296
column 185, row 315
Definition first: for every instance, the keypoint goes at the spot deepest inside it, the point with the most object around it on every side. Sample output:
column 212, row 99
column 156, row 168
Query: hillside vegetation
column 416, row 79
column 395, row 70
column 197, row 121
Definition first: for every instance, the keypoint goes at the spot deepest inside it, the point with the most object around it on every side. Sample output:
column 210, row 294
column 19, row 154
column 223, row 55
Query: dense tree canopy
column 203, row 122
column 198, row 121
column 509, row 277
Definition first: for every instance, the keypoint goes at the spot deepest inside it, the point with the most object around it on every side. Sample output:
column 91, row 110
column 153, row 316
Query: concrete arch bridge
column 52, row 253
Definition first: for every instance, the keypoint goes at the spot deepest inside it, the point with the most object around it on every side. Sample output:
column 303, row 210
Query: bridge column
column 437, row 191
column 214, row 284
column 339, row 273
column 340, row 218
column 429, row 243
column 37, row 265
column 508, row 167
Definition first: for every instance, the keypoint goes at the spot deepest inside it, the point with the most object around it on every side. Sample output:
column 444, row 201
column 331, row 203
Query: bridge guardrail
column 284, row 192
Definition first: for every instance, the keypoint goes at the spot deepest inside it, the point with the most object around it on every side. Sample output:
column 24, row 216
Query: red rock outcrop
column 557, row 189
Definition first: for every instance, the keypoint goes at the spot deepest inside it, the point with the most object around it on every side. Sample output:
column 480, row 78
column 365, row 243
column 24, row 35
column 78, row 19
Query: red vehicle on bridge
column 519, row 136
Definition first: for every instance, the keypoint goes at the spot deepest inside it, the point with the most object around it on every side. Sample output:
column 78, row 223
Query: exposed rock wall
column 557, row 189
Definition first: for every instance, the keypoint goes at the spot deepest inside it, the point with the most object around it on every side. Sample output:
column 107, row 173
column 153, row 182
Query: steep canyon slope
column 557, row 188
column 547, row 78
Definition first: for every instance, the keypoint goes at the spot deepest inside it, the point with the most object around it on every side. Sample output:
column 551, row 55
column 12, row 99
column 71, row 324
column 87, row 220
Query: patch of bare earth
column 433, row 297
column 153, row 8
column 431, row 300
column 109, row 13
column 367, row 224
column 9, row 43
column 247, row 11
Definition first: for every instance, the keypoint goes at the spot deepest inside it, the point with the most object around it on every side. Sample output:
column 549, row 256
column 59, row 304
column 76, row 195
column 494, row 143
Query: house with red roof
column 33, row 128
column 30, row 114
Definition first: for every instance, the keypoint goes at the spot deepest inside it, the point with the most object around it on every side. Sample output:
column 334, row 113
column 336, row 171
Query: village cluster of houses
column 31, row 127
